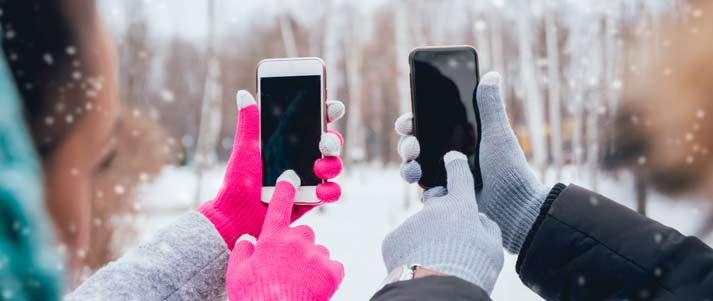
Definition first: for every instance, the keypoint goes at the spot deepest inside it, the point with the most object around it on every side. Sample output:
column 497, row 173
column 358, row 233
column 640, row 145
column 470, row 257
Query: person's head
column 664, row 128
column 63, row 63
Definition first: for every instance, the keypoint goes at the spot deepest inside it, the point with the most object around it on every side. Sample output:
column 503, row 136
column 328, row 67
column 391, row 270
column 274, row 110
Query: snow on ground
column 373, row 203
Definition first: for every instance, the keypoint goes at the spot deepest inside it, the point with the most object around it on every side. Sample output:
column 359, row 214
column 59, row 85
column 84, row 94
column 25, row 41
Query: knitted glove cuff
column 458, row 258
column 517, row 216
column 230, row 227
column 273, row 289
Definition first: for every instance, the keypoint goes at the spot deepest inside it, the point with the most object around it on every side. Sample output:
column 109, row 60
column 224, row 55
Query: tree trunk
column 210, row 121
column 553, row 77
column 533, row 98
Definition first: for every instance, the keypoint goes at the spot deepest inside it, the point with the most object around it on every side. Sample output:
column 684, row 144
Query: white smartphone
column 292, row 98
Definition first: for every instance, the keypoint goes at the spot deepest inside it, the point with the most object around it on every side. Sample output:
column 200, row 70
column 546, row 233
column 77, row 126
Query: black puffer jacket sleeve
column 432, row 288
column 584, row 246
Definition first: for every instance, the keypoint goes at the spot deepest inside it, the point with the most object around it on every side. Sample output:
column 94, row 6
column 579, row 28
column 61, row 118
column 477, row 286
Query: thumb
column 459, row 177
column 247, row 131
column 491, row 107
column 241, row 253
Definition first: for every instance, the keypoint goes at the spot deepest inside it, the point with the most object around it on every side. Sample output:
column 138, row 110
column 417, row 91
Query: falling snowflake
column 71, row 50
column 689, row 159
column 7, row 294
column 48, row 58
column 143, row 177
column 119, row 189
column 689, row 136
column 167, row 96
column 617, row 84
column 667, row 71
column 69, row 118
column 642, row 160
column 74, row 172
column 697, row 13
column 480, row 25
column 701, row 114
column 76, row 75
column 49, row 120
column 10, row 34
column 658, row 238
column 62, row 248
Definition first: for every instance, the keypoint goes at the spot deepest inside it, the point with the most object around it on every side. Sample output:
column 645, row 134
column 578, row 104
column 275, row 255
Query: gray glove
column 511, row 194
column 449, row 235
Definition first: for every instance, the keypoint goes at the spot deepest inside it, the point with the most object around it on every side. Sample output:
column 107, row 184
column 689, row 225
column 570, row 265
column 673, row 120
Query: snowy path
column 372, row 205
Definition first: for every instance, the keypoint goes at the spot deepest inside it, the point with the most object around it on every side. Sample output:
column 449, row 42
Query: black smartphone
column 443, row 86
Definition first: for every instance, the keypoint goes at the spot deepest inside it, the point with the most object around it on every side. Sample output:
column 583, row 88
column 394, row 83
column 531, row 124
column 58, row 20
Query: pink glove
column 285, row 264
column 237, row 208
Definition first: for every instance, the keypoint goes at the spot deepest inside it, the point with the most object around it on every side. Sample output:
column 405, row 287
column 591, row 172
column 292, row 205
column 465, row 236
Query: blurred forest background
column 564, row 63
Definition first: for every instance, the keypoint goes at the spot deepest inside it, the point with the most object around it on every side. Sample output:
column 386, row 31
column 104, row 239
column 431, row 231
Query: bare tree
column 210, row 121
column 554, row 82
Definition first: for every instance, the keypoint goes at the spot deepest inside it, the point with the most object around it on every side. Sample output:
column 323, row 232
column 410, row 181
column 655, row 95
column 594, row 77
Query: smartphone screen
column 446, row 118
column 291, row 126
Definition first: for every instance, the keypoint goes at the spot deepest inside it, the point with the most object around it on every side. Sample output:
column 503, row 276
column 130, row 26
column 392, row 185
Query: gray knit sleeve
column 185, row 261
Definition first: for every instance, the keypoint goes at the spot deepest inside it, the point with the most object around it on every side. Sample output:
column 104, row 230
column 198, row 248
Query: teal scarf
column 29, row 265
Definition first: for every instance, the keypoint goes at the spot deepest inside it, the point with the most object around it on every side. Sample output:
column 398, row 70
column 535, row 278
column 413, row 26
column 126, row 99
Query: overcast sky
column 188, row 18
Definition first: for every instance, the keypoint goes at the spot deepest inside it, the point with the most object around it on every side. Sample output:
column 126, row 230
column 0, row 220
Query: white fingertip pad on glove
column 335, row 110
column 459, row 177
column 246, row 237
column 454, row 155
column 404, row 124
column 409, row 148
column 243, row 99
column 330, row 145
column 291, row 177
column 491, row 79
column 411, row 171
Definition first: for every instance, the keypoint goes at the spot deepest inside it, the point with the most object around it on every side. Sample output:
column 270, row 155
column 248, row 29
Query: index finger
column 279, row 212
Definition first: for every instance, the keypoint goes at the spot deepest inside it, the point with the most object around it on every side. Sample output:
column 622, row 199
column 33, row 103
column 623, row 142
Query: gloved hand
column 285, row 264
column 449, row 235
column 237, row 209
column 511, row 195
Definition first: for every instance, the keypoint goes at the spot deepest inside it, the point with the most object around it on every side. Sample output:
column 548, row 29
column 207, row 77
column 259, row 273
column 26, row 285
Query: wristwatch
column 400, row 273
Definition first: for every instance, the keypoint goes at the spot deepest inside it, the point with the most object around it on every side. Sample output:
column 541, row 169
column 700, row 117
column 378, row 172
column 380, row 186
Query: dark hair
column 41, row 50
